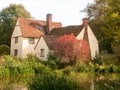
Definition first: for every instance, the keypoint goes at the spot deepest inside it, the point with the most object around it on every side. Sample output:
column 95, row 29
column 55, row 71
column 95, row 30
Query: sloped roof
column 50, row 40
column 56, row 32
column 29, row 29
column 67, row 30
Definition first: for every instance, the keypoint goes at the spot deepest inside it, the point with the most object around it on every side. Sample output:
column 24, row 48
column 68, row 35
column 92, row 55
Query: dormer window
column 40, row 28
column 16, row 39
column 31, row 40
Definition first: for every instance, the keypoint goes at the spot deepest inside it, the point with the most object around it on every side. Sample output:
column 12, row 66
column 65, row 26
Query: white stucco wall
column 18, row 46
column 42, row 45
column 93, row 42
column 28, row 48
column 16, row 31
column 80, row 35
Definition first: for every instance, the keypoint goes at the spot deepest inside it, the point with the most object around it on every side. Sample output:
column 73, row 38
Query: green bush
column 4, row 49
column 115, row 68
column 67, row 70
column 40, row 68
column 107, row 85
column 49, row 81
column 51, row 56
column 81, row 68
column 52, row 64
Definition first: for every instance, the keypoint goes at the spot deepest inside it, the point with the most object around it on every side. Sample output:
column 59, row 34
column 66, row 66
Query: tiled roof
column 67, row 30
column 50, row 40
column 30, row 28
column 27, row 30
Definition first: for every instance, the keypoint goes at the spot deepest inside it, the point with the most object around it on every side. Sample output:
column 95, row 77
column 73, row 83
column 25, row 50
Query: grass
column 44, row 76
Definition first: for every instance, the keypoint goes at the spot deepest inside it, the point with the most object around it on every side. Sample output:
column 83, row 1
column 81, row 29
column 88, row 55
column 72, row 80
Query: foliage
column 51, row 56
column 67, row 70
column 69, row 49
column 105, row 20
column 4, row 49
column 8, row 17
column 72, row 77
column 106, row 59
column 107, row 85
column 82, row 68
column 53, row 61
column 49, row 81
column 12, row 66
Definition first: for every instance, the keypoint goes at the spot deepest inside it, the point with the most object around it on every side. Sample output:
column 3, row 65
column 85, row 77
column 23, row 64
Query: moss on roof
column 67, row 30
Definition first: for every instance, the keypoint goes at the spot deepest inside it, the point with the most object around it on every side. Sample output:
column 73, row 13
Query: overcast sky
column 65, row 11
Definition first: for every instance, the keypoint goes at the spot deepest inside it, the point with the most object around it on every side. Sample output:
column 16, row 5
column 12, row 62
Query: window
column 16, row 39
column 31, row 40
column 15, row 52
column 42, row 52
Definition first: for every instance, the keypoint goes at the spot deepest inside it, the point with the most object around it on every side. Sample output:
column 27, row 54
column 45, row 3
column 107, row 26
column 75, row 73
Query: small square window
column 31, row 40
column 42, row 52
column 15, row 52
column 16, row 39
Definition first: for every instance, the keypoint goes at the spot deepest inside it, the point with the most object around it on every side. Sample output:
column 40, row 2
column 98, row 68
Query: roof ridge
column 35, row 20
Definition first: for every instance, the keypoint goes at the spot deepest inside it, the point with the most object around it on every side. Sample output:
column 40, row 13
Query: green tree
column 112, row 28
column 105, row 20
column 8, row 17
column 4, row 50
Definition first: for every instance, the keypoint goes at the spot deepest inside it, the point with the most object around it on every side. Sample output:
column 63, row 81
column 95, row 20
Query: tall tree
column 8, row 17
column 105, row 19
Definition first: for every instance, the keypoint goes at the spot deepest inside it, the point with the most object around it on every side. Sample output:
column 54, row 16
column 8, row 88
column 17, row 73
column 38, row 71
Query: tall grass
column 50, row 81
column 12, row 67
column 51, row 76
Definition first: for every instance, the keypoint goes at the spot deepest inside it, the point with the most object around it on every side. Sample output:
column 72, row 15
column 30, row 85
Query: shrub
column 32, row 57
column 67, row 70
column 81, row 68
column 52, row 64
column 51, row 56
column 40, row 68
column 107, row 85
column 49, row 81
column 115, row 68
column 4, row 49
column 68, row 48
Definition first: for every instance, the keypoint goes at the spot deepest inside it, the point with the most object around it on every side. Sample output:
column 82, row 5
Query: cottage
column 38, row 37
column 27, row 33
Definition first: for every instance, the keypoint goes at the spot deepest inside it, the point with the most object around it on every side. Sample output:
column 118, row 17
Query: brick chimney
column 85, row 23
column 85, row 37
column 48, row 23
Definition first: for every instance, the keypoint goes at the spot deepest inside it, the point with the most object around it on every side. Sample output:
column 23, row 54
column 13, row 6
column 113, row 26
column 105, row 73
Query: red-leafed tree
column 69, row 49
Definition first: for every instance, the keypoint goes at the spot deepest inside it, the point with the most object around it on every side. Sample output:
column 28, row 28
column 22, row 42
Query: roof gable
column 50, row 41
column 17, row 31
